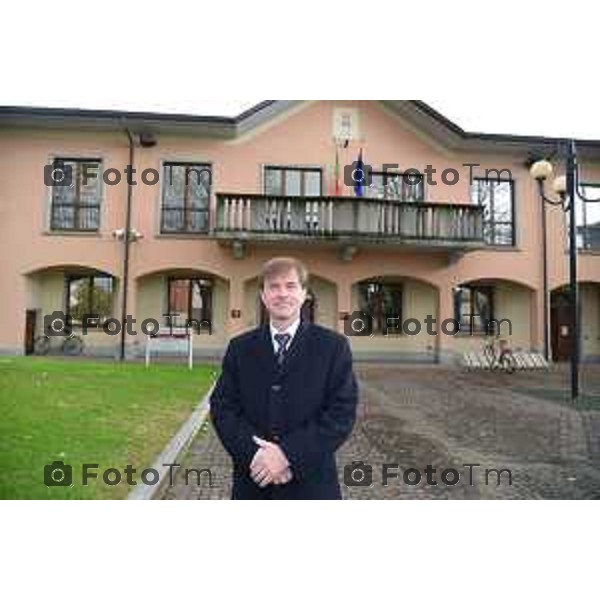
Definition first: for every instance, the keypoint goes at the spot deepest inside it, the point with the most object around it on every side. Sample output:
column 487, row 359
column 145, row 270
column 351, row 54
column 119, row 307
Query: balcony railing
column 260, row 216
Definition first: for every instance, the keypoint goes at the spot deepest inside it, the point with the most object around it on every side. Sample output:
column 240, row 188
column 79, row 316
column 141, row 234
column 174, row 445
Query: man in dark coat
column 286, row 398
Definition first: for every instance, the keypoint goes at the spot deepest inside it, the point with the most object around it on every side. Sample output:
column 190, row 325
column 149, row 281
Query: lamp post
column 566, row 187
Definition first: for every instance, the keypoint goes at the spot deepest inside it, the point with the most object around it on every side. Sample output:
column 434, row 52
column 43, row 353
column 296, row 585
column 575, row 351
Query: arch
column 564, row 284
column 72, row 289
column 74, row 268
column 496, row 280
column 561, row 338
column 500, row 306
column 204, row 298
column 180, row 270
column 386, row 296
column 396, row 276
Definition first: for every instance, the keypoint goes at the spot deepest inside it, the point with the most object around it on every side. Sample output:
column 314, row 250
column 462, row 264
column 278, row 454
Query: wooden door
column 30, row 322
column 560, row 328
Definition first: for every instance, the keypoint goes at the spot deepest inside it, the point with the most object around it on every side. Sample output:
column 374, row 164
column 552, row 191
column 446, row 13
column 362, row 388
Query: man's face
column 283, row 296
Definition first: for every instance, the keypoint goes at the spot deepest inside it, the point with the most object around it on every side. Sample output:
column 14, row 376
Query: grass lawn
column 78, row 411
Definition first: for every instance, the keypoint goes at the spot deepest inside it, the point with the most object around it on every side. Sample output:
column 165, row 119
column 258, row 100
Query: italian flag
column 335, row 187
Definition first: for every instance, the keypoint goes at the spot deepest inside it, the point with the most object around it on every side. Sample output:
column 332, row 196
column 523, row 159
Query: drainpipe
column 126, row 244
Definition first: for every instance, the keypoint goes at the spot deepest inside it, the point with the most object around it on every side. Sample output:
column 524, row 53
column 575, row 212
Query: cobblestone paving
column 416, row 416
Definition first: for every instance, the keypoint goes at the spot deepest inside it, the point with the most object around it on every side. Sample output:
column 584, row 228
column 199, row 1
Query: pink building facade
column 215, row 198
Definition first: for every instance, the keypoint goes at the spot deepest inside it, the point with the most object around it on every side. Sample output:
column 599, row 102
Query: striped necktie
column 282, row 340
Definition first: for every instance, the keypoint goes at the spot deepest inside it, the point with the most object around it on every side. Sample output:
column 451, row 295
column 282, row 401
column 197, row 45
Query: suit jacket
column 307, row 406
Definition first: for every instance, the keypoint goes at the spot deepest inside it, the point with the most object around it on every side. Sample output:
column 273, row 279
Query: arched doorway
column 180, row 296
column 84, row 295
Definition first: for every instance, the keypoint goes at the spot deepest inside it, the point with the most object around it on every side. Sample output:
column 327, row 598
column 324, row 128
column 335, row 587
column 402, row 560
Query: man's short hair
column 281, row 266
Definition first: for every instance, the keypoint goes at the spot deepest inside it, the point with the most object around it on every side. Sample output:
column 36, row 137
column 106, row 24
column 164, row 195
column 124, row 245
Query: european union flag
column 359, row 176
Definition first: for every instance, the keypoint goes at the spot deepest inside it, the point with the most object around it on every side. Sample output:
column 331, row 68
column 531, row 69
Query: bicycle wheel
column 490, row 357
column 509, row 363
column 73, row 345
column 41, row 345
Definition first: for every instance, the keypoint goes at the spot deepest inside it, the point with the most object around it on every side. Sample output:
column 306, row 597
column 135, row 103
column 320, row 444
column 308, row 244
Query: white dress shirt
column 291, row 330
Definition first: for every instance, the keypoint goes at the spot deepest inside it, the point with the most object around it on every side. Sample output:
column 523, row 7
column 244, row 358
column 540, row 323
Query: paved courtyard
column 415, row 416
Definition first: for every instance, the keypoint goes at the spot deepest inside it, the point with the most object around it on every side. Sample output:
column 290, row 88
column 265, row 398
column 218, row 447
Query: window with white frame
column 588, row 218
column 497, row 199
column 75, row 194
column 403, row 187
column 185, row 202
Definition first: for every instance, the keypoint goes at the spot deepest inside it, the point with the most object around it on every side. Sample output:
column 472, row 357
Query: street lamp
column 567, row 188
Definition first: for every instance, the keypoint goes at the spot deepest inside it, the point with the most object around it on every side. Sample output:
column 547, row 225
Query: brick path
column 421, row 415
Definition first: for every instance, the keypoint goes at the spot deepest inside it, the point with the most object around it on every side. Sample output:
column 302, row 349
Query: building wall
column 303, row 136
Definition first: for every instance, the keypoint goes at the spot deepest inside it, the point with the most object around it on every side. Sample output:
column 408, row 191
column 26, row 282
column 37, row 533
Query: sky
column 179, row 60
column 516, row 115
column 488, row 115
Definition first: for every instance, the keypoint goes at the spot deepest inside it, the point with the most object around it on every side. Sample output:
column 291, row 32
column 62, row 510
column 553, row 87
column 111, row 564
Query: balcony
column 348, row 221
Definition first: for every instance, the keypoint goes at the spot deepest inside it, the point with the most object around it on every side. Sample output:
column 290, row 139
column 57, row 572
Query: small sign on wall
column 346, row 124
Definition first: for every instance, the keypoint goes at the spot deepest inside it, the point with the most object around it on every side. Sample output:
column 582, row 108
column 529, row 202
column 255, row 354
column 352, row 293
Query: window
column 382, row 300
column 477, row 301
column 191, row 299
column 89, row 295
column 588, row 218
column 497, row 199
column 185, row 198
column 76, row 207
column 292, row 181
column 395, row 186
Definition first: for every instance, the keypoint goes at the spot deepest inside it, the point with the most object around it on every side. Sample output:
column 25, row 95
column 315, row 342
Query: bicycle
column 72, row 345
column 499, row 356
